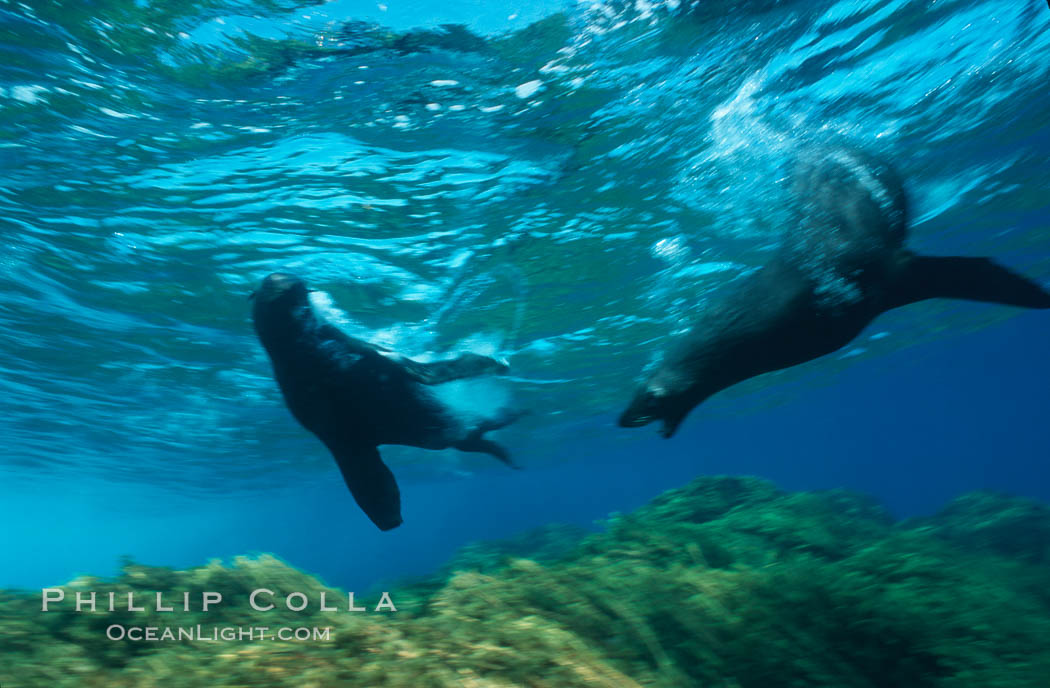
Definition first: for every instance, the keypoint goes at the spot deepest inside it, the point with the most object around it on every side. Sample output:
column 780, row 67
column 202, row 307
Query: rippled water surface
column 560, row 187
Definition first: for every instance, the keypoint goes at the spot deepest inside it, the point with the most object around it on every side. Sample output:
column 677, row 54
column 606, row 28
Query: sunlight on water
column 560, row 188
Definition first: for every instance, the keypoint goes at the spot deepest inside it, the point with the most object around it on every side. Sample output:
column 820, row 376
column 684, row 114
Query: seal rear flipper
column 463, row 366
column 974, row 279
column 371, row 483
column 475, row 442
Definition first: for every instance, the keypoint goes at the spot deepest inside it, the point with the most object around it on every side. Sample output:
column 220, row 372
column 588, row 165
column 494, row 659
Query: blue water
column 561, row 198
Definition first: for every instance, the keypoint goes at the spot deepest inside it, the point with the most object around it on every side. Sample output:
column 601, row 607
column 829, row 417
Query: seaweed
column 725, row 582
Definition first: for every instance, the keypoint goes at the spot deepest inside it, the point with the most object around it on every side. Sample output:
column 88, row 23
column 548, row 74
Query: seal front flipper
column 463, row 366
column 974, row 279
column 371, row 483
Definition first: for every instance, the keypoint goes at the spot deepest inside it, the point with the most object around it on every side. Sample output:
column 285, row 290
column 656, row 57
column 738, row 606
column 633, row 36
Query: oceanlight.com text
column 120, row 632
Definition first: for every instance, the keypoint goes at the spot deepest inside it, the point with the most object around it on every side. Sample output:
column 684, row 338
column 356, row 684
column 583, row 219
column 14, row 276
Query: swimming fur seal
column 355, row 396
column 843, row 266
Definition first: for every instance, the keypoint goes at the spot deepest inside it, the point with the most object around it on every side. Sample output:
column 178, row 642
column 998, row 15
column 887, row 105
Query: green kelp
column 725, row 583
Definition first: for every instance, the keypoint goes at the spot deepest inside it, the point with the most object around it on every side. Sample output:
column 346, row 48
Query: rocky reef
column 726, row 582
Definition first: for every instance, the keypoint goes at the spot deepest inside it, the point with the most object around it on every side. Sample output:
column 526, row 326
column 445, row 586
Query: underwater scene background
column 561, row 186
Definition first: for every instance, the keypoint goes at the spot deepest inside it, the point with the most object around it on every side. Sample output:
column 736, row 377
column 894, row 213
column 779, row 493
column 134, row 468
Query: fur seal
column 355, row 396
column 837, row 271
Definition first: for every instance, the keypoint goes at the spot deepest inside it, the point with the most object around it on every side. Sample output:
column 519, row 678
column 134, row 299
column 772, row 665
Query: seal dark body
column 843, row 266
column 355, row 396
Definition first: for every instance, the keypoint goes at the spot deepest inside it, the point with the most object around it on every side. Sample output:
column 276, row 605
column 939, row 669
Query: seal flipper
column 463, row 366
column 474, row 442
column 974, row 279
column 371, row 483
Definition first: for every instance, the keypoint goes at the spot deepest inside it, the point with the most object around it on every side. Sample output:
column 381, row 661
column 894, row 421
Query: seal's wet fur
column 843, row 265
column 355, row 396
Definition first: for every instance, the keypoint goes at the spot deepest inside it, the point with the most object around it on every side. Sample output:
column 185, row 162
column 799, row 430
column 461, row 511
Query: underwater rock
column 546, row 544
column 724, row 582
column 706, row 499
column 1008, row 526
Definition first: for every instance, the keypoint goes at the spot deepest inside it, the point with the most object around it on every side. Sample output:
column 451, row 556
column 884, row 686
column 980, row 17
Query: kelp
column 725, row 582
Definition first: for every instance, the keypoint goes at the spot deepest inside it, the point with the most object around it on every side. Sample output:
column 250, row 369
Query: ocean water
column 558, row 185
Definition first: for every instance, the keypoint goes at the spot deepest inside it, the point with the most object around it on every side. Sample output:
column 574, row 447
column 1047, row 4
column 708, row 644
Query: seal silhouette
column 843, row 265
column 355, row 396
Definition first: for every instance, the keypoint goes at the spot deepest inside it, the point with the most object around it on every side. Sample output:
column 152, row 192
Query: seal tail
column 974, row 279
column 371, row 483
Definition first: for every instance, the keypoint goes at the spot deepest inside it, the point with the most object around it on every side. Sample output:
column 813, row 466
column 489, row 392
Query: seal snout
column 633, row 420
column 644, row 409
column 653, row 403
